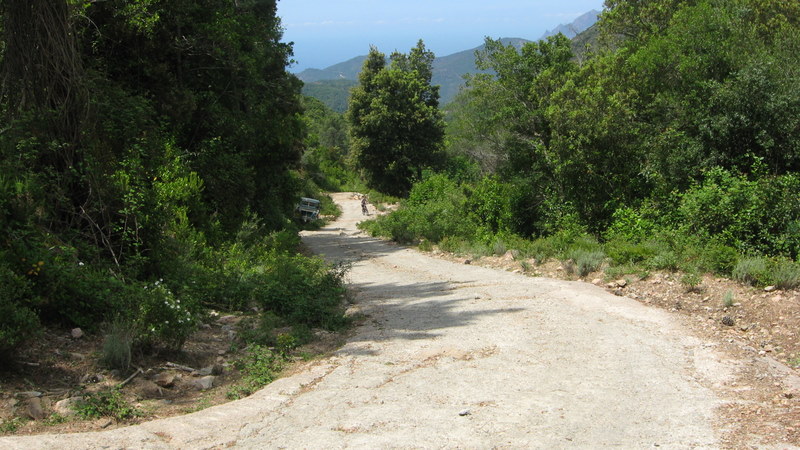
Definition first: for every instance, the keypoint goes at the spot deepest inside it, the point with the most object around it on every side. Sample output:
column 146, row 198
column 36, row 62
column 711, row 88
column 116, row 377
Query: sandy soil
column 455, row 355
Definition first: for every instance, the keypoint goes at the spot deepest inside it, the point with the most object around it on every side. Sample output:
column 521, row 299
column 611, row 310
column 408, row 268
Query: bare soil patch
column 58, row 366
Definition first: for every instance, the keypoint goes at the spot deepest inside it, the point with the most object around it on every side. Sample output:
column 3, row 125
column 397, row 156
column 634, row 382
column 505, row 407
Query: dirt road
column 454, row 355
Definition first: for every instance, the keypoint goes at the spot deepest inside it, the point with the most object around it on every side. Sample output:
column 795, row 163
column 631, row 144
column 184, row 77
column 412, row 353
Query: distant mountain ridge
column 448, row 71
column 576, row 27
column 347, row 70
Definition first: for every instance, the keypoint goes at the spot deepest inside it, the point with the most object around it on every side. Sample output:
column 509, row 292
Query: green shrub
column 303, row 290
column 395, row 226
column 541, row 250
column 18, row 321
column 260, row 331
column 663, row 260
column 587, row 262
column 569, row 266
column 786, row 274
column 162, row 318
column 761, row 214
column 625, row 252
column 692, row 281
column 108, row 403
column 71, row 292
column 434, row 210
column 12, row 425
column 628, row 225
column 499, row 247
column 490, row 205
column 452, row 244
column 720, row 258
column 425, row 245
column 259, row 366
column 752, row 270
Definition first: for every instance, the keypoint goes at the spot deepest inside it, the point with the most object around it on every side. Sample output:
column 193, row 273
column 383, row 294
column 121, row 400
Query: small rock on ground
column 67, row 406
column 34, row 408
column 204, row 383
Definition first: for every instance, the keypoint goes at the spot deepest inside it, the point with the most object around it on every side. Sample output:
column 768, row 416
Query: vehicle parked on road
column 308, row 209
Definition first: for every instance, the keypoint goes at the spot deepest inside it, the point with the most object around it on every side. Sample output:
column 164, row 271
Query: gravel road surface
column 454, row 355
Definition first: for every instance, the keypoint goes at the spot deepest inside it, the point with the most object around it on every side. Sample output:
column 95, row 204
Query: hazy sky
column 326, row 32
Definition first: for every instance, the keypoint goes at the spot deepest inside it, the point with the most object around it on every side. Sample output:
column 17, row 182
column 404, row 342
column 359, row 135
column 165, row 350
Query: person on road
column 364, row 209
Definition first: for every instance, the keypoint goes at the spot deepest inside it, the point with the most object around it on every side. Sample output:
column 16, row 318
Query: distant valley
column 332, row 84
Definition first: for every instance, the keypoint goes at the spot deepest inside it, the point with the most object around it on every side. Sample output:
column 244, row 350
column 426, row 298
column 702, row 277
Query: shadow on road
column 414, row 311
column 338, row 248
column 396, row 310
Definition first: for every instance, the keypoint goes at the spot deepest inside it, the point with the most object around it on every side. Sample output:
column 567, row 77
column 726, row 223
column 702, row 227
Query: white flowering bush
column 164, row 319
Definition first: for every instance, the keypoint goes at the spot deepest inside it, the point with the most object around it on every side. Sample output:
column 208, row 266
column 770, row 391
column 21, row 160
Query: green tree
column 139, row 135
column 502, row 118
column 396, row 127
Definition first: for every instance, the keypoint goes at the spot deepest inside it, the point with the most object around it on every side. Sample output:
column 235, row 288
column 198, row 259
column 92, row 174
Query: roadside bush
column 761, row 215
column 587, row 261
column 425, row 245
column 499, row 246
column 728, row 299
column 663, row 260
column 628, row 225
column 786, row 274
column 259, row 366
column 541, row 250
column 434, row 210
column 489, row 205
column 452, row 244
column 18, row 321
column 161, row 318
column 395, row 226
column 108, row 403
column 720, row 258
column 626, row 252
column 260, row 331
column 303, row 290
column 692, row 280
column 751, row 270
column 69, row 291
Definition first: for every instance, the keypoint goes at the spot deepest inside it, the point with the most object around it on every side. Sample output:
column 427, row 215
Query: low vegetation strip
column 478, row 219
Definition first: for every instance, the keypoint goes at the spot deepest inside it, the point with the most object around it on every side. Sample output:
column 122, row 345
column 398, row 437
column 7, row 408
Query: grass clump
column 116, row 352
column 727, row 299
column 12, row 425
column 259, row 367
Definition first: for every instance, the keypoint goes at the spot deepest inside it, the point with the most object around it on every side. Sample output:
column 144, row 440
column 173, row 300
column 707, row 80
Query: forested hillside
column 149, row 159
column 673, row 143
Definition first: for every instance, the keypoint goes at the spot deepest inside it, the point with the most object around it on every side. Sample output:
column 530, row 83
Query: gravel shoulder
column 455, row 355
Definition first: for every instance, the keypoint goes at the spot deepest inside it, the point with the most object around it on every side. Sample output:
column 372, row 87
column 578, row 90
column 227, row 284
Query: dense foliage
column 147, row 166
column 673, row 143
column 396, row 127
